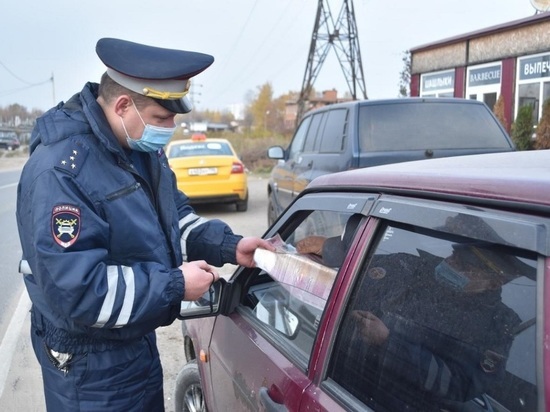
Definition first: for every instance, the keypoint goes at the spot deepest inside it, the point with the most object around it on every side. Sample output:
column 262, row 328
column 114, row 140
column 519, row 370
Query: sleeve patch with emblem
column 65, row 224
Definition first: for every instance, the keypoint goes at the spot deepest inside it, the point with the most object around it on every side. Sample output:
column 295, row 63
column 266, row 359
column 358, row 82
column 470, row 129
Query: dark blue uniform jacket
column 103, row 244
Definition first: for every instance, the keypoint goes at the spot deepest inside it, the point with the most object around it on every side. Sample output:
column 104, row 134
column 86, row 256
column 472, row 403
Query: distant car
column 209, row 171
column 433, row 295
column 9, row 142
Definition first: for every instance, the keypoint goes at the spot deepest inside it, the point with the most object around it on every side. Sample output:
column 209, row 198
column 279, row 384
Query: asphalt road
column 20, row 377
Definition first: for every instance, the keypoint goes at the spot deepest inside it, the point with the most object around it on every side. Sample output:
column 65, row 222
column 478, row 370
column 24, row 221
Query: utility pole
column 341, row 35
column 193, row 98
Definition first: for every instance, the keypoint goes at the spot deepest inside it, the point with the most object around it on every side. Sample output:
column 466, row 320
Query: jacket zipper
column 123, row 192
column 130, row 168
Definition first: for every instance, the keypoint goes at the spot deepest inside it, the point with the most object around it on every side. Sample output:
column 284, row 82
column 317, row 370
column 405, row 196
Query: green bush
column 543, row 129
column 522, row 129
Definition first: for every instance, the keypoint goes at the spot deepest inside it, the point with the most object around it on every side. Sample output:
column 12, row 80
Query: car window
column 428, row 126
column 289, row 297
column 334, row 132
column 297, row 143
column 317, row 122
column 200, row 149
column 439, row 322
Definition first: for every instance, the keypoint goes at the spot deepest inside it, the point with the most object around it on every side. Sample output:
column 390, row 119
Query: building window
column 528, row 95
column 546, row 91
column 438, row 84
column 533, row 83
column 483, row 83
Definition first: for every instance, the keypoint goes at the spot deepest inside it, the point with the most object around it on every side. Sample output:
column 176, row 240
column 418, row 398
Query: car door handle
column 270, row 404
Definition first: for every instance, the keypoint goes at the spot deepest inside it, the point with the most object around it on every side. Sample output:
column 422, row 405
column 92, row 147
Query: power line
column 20, row 79
column 253, row 63
column 29, row 85
column 249, row 67
column 12, row 91
column 236, row 42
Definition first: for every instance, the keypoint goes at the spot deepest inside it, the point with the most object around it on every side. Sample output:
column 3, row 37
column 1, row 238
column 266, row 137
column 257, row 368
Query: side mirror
column 207, row 305
column 276, row 152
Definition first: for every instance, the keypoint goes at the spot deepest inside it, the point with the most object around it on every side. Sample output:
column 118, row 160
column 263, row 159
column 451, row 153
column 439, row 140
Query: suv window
column 299, row 137
column 312, row 133
column 436, row 323
column 441, row 127
column 290, row 300
column 334, row 133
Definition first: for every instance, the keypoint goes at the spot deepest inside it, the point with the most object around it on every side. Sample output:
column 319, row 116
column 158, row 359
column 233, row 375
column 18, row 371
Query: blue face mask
column 152, row 139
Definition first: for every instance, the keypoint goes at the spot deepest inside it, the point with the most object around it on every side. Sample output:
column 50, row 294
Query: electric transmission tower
column 341, row 35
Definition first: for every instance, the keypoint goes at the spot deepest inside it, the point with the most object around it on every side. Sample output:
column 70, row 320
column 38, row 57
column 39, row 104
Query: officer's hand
column 246, row 248
column 371, row 327
column 198, row 276
column 311, row 244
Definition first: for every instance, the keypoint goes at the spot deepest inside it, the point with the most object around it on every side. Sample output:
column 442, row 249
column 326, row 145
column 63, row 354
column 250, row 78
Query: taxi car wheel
column 188, row 396
column 242, row 205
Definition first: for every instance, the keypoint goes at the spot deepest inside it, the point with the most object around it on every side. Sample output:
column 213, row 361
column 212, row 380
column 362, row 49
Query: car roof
column 207, row 140
column 407, row 100
column 517, row 177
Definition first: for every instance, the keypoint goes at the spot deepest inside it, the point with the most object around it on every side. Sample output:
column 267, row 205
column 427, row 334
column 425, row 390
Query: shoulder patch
column 72, row 159
column 65, row 224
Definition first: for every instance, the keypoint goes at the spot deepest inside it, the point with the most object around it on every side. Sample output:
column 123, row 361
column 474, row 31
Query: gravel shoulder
column 10, row 160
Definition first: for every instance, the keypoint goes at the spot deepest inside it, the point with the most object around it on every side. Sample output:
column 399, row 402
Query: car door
column 259, row 356
column 439, row 309
column 332, row 152
column 283, row 174
column 302, row 167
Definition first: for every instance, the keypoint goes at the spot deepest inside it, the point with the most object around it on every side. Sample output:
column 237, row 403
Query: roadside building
column 510, row 59
column 316, row 100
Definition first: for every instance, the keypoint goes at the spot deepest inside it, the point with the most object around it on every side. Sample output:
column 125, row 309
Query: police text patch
column 65, row 224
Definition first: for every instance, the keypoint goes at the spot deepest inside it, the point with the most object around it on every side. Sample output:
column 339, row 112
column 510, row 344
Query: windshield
column 200, row 149
column 433, row 125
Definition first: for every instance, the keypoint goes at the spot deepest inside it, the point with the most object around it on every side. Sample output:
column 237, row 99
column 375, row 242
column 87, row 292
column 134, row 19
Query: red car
column 427, row 290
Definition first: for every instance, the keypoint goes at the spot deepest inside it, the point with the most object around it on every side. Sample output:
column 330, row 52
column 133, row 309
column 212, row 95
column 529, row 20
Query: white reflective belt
column 109, row 301
column 107, row 308
column 129, row 296
column 191, row 221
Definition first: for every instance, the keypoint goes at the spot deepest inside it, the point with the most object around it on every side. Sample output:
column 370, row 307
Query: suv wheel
column 188, row 395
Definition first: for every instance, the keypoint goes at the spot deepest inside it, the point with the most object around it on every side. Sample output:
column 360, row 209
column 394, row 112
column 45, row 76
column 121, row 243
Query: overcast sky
column 253, row 41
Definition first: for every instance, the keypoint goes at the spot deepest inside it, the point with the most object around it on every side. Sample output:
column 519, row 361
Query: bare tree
column 405, row 75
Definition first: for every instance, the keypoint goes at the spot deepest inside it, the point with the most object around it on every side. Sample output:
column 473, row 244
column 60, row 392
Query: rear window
column 200, row 149
column 423, row 126
column 8, row 136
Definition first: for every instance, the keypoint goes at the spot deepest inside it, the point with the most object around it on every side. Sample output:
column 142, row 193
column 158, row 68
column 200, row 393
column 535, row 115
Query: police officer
column 110, row 246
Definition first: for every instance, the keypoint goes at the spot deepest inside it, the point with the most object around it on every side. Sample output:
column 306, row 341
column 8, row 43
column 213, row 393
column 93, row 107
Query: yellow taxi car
column 209, row 171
